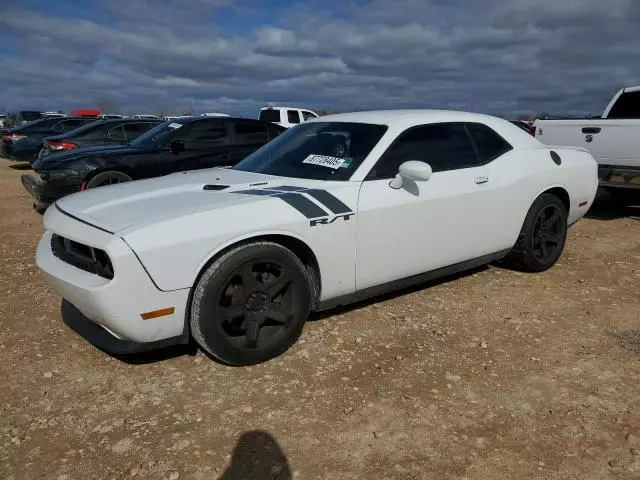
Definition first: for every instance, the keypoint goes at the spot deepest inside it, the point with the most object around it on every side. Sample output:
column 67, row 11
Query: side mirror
column 411, row 170
column 176, row 146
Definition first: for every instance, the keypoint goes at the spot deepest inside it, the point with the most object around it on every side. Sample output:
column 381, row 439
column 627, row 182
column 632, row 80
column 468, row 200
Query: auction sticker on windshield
column 174, row 125
column 324, row 161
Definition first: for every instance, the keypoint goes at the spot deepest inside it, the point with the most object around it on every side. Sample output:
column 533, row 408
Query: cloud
column 566, row 56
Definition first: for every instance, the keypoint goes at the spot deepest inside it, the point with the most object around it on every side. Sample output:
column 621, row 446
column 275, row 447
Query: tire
column 538, row 250
column 251, row 304
column 110, row 177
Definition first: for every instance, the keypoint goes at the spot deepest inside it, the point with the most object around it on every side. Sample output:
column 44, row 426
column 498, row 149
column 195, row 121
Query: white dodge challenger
column 337, row 209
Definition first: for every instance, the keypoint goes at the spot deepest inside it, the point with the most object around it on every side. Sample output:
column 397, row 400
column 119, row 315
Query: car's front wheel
column 542, row 237
column 107, row 178
column 251, row 303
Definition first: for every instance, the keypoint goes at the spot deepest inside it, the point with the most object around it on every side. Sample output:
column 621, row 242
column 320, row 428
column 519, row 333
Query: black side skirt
column 410, row 281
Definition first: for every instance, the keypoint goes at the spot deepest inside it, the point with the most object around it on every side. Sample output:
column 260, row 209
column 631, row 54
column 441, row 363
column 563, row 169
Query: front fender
column 175, row 251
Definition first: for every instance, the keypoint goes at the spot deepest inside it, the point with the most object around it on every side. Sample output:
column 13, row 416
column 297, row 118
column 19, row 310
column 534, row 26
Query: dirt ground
column 492, row 375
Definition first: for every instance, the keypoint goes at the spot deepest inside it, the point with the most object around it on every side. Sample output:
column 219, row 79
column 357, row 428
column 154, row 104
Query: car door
column 426, row 225
column 246, row 138
column 201, row 144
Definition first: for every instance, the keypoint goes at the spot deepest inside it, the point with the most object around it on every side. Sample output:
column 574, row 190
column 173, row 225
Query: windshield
column 316, row 151
column 159, row 135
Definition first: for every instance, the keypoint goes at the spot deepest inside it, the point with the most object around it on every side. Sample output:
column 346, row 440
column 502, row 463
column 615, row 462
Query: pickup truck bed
column 613, row 140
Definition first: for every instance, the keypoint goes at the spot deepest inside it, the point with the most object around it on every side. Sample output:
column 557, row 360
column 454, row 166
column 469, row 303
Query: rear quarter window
column 270, row 115
column 489, row 144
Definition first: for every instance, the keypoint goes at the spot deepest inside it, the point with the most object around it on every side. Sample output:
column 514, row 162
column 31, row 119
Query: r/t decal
column 328, row 220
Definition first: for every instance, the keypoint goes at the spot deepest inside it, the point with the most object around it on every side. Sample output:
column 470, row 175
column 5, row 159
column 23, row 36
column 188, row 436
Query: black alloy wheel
column 257, row 304
column 548, row 233
column 251, row 303
column 542, row 236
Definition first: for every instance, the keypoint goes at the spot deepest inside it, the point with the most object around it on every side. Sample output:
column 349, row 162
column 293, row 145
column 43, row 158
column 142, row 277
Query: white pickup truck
column 286, row 117
column 613, row 139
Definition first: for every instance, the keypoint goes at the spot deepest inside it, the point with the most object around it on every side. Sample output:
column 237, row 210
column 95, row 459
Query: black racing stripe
column 303, row 205
column 288, row 188
column 328, row 200
column 257, row 192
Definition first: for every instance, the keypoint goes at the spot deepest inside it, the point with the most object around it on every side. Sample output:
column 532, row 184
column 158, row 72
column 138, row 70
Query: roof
column 386, row 117
column 277, row 107
column 111, row 121
column 400, row 120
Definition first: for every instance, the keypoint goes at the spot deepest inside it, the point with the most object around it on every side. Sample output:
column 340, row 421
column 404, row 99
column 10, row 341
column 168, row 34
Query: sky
column 505, row 57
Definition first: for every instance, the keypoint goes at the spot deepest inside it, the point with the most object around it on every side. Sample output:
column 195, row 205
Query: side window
column 205, row 135
column 58, row 127
column 293, row 116
column 68, row 125
column 250, row 133
column 627, row 106
column 489, row 144
column 307, row 115
column 134, row 130
column 270, row 115
column 117, row 134
column 443, row 147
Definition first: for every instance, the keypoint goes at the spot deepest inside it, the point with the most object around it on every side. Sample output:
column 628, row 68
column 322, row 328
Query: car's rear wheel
column 107, row 178
column 542, row 237
column 251, row 303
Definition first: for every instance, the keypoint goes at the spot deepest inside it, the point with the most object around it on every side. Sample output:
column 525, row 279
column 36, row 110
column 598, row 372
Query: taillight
column 13, row 137
column 56, row 145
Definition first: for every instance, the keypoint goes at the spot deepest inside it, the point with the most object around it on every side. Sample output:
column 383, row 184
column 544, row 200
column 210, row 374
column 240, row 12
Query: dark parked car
column 183, row 144
column 23, row 143
column 102, row 132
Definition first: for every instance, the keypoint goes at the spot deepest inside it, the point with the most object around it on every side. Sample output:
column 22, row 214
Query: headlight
column 59, row 174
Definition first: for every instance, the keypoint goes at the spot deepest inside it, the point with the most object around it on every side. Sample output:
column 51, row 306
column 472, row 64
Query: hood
column 76, row 153
column 119, row 207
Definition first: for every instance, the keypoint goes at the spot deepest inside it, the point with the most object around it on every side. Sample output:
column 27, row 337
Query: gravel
column 554, row 395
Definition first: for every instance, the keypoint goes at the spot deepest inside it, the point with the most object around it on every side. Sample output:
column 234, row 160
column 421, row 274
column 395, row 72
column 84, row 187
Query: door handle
column 591, row 130
column 481, row 180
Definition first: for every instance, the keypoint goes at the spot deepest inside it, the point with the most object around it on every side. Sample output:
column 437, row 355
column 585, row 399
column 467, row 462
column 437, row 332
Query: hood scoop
column 215, row 188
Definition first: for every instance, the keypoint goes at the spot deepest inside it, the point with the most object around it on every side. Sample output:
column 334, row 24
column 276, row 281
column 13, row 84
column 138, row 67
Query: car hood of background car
column 55, row 159
column 128, row 205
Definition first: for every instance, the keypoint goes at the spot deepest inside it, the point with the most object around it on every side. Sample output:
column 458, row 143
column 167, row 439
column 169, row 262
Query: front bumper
column 113, row 305
column 619, row 176
column 101, row 338
column 45, row 193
